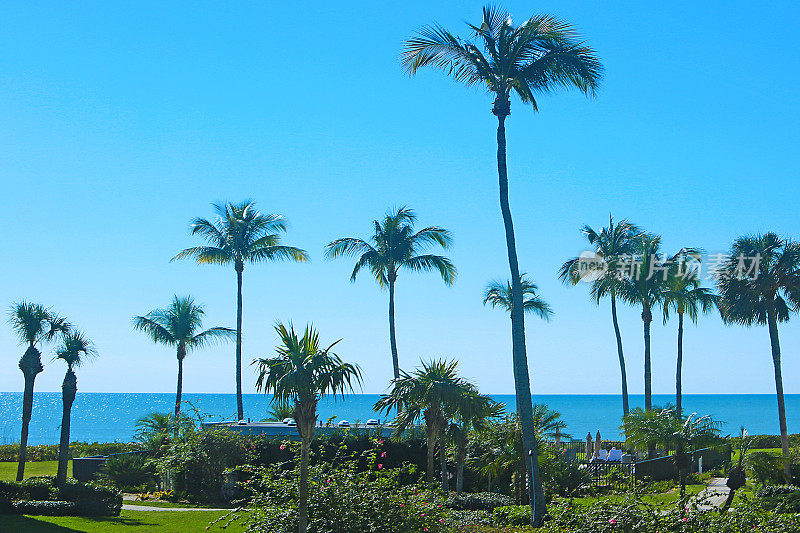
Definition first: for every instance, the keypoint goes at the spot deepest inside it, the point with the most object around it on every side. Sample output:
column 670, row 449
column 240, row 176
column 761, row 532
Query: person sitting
column 602, row 456
column 615, row 455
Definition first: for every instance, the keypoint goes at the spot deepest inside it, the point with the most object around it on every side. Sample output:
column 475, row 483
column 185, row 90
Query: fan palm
column 759, row 283
column 536, row 57
column 303, row 373
column 395, row 246
column 240, row 234
column 75, row 349
column 34, row 324
column 683, row 295
column 473, row 414
column 609, row 245
column 498, row 294
column 432, row 393
column 178, row 325
column 642, row 281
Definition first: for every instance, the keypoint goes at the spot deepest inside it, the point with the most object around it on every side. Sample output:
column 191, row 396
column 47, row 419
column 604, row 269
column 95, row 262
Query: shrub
column 481, row 501
column 128, row 472
column 49, row 452
column 512, row 516
column 766, row 467
column 41, row 496
column 561, row 476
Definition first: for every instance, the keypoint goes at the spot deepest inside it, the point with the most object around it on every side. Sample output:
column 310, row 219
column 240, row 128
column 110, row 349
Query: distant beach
column 107, row 417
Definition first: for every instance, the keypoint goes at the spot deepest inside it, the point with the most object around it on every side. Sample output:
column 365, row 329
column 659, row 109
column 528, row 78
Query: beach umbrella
column 597, row 444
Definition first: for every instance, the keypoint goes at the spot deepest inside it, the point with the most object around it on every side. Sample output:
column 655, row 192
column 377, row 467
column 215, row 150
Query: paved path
column 129, row 507
column 714, row 495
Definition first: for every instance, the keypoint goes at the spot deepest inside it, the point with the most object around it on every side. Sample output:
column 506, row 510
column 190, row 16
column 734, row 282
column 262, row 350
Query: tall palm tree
column 395, row 246
column 303, row 373
column 609, row 245
column 240, row 234
column 178, row 325
column 473, row 414
column 74, row 350
column 683, row 295
column 498, row 294
column 536, row 57
column 641, row 283
column 433, row 393
column 760, row 284
column 33, row 324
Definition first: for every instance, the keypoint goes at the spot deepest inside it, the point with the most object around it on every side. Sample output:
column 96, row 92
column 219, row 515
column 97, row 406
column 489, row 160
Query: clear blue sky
column 120, row 122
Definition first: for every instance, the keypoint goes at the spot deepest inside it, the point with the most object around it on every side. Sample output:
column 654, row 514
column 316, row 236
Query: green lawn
column 8, row 471
column 664, row 498
column 128, row 521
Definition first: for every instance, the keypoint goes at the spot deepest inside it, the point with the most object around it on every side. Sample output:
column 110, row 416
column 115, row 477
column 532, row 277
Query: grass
column 167, row 505
column 660, row 499
column 127, row 521
column 8, row 470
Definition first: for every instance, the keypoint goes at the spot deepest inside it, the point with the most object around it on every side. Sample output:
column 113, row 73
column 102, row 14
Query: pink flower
column 683, row 519
column 612, row 521
column 383, row 454
column 441, row 520
column 380, row 466
column 283, row 446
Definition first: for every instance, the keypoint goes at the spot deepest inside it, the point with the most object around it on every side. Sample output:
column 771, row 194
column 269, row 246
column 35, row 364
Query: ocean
column 107, row 417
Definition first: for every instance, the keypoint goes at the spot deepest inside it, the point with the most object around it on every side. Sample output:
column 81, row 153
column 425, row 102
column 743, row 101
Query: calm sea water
column 106, row 417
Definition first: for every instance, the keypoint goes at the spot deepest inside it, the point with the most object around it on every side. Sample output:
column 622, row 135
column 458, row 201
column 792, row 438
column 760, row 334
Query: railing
column 617, row 476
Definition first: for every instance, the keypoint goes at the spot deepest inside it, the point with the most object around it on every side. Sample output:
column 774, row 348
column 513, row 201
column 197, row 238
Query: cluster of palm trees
column 37, row 326
column 758, row 282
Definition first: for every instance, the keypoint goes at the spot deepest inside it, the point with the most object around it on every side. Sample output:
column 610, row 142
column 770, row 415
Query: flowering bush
column 343, row 498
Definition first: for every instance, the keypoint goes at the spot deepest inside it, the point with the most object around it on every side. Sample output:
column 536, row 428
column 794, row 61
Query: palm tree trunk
column 430, row 437
column 239, row 405
column 31, row 365
column 392, row 337
column 180, row 389
column 305, row 446
column 623, row 373
column 460, row 476
column 519, row 356
column 443, row 462
column 776, row 362
column 679, row 370
column 647, row 318
column 68, row 391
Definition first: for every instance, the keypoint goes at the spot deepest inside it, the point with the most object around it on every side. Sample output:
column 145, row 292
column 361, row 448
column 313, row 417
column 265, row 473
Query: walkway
column 714, row 495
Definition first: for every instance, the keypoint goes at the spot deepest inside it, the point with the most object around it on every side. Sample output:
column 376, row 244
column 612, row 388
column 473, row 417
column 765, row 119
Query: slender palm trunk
column 68, row 391
column 623, row 373
column 647, row 318
column 460, row 476
column 443, row 461
column 392, row 337
column 305, row 446
column 239, row 404
column 430, row 435
column 31, row 365
column 180, row 388
column 776, row 362
column 519, row 356
column 679, row 370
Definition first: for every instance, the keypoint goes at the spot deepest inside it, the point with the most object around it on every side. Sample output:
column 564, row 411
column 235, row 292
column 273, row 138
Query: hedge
column 49, row 452
column 40, row 496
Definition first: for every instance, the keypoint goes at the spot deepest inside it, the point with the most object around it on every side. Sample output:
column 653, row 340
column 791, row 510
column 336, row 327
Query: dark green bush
column 512, row 516
column 39, row 495
column 128, row 472
column 481, row 501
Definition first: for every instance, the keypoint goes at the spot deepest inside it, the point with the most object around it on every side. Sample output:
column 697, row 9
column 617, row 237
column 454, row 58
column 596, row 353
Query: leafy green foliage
column 49, row 452
column 130, row 472
column 41, row 496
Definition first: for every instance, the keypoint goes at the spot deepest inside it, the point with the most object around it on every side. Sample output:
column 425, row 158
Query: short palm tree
column 433, row 392
column 75, row 349
column 537, row 57
column 498, row 294
column 179, row 325
column 473, row 415
column 683, row 295
column 34, row 324
column 395, row 246
column 610, row 244
column 303, row 373
column 642, row 283
column 240, row 234
column 760, row 284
